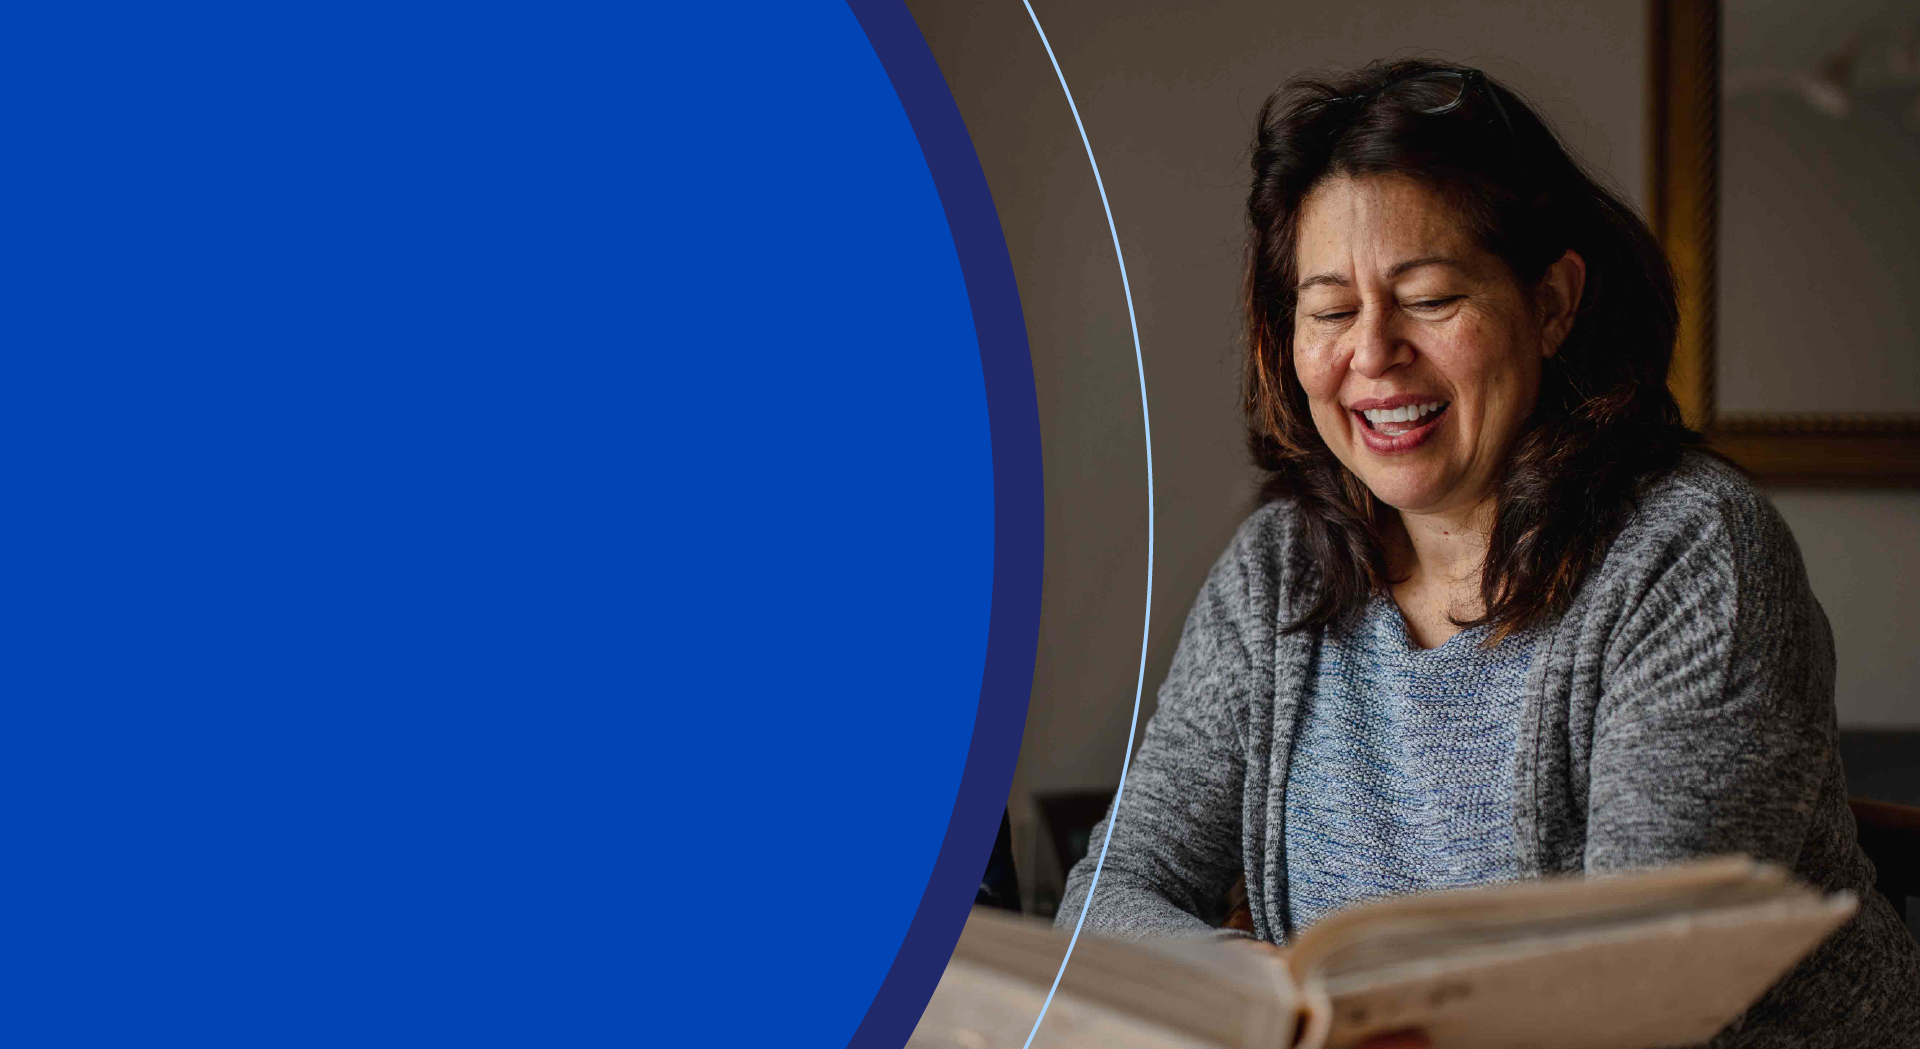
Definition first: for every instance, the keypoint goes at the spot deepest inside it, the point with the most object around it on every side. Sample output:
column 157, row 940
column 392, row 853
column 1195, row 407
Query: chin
column 1403, row 492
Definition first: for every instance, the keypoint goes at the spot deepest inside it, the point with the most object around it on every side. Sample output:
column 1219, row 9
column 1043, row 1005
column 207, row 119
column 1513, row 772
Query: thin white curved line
column 1127, row 759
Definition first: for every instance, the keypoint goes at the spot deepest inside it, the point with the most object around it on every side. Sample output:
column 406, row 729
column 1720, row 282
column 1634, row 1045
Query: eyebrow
column 1336, row 280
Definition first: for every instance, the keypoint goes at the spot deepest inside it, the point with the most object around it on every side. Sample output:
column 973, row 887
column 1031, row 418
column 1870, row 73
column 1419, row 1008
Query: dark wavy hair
column 1605, row 422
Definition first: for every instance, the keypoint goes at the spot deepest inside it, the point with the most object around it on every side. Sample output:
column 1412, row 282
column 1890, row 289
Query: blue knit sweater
column 1402, row 776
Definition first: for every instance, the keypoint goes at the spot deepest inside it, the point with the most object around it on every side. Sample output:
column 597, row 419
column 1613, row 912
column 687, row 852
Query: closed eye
column 1434, row 304
column 1333, row 316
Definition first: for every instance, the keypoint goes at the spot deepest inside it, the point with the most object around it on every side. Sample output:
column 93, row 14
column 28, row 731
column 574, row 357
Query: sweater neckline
column 1389, row 611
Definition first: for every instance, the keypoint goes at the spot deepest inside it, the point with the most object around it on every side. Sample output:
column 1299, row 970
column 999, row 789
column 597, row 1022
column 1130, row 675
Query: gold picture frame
column 1683, row 179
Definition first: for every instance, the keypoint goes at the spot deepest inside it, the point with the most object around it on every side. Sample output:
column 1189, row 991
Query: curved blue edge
column 463, row 453
column 1018, row 522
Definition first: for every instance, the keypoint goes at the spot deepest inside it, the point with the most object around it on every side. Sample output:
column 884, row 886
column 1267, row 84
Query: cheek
column 1322, row 385
column 1313, row 366
column 1316, row 366
column 1331, row 423
column 1487, row 358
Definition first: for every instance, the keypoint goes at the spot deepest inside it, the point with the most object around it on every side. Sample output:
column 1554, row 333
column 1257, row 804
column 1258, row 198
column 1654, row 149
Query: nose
column 1379, row 345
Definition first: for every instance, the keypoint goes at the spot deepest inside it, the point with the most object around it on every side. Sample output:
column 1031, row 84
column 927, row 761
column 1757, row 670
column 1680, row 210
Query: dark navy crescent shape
column 1014, row 423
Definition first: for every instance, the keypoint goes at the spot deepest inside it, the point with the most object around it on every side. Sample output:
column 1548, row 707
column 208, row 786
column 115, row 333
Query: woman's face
column 1419, row 353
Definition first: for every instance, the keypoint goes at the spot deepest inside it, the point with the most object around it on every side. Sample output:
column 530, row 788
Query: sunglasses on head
column 1467, row 79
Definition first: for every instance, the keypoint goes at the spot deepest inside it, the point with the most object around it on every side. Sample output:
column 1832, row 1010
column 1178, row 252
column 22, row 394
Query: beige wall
column 1864, row 560
column 1168, row 93
column 1820, row 259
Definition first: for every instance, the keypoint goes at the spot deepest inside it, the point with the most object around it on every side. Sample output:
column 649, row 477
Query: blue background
column 512, row 532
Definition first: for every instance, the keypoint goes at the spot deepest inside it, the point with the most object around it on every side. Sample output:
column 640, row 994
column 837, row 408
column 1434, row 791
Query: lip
column 1396, row 443
column 1398, row 400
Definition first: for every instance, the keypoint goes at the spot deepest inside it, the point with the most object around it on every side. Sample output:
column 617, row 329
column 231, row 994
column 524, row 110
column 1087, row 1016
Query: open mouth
column 1392, row 422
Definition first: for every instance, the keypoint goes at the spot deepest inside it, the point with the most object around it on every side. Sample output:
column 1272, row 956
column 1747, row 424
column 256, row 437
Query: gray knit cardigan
column 1681, row 707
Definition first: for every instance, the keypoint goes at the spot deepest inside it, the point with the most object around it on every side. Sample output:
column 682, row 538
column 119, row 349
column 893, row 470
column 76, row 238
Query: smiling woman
column 1500, row 616
column 1420, row 356
column 1483, row 348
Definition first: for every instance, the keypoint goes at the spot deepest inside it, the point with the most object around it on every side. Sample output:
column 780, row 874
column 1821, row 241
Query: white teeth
column 1402, row 415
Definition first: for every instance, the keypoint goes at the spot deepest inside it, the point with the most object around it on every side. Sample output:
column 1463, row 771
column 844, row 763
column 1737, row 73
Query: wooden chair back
column 1890, row 836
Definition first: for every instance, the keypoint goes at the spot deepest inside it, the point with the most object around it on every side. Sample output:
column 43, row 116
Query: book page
column 1668, row 981
column 1411, row 938
column 975, row 1007
column 1439, row 921
column 1217, row 992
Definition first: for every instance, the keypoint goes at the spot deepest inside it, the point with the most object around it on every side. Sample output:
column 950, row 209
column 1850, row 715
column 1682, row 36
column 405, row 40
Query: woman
column 1500, row 616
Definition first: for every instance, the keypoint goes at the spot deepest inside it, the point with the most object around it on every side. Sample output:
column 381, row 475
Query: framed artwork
column 1784, row 145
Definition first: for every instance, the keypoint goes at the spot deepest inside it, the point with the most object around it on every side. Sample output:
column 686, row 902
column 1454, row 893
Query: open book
column 1641, row 960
